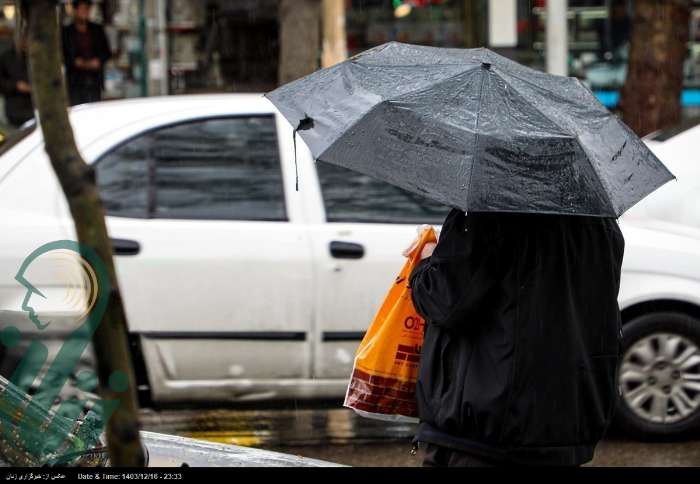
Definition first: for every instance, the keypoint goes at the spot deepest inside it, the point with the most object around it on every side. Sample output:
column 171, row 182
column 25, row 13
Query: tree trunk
column 300, row 38
column 651, row 94
column 475, row 23
column 335, row 47
column 78, row 182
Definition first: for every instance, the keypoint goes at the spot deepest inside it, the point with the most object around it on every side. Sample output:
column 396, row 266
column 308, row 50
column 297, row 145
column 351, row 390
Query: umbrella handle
column 304, row 124
column 296, row 166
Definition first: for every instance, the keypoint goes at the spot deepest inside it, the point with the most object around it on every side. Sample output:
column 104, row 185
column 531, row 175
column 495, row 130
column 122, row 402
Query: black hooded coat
column 522, row 338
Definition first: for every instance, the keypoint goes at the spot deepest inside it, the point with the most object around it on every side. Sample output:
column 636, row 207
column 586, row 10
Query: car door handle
column 346, row 250
column 125, row 247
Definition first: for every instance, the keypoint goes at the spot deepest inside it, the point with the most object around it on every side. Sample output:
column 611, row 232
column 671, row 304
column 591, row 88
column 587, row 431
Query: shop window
column 222, row 45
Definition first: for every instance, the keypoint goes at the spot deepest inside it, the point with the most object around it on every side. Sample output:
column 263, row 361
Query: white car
column 678, row 201
column 238, row 286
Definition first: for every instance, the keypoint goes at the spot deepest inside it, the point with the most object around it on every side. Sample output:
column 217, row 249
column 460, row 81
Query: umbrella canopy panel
column 473, row 130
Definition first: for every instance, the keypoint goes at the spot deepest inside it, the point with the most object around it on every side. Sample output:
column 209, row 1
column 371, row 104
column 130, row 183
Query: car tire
column 641, row 336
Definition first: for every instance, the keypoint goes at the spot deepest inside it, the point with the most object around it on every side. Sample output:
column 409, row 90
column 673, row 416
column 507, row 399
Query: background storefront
column 598, row 35
column 194, row 46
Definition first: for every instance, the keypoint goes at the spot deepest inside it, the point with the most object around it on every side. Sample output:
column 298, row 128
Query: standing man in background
column 85, row 51
column 14, row 84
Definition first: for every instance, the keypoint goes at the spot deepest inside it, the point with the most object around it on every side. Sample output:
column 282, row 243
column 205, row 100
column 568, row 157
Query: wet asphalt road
column 338, row 435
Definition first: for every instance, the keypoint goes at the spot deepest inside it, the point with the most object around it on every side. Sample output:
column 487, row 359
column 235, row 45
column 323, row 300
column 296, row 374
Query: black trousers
column 83, row 94
column 437, row 456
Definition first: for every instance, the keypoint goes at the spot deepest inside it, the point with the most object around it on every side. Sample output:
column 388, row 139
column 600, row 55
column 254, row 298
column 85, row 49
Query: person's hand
column 93, row 64
column 407, row 251
column 428, row 250
column 80, row 63
column 419, row 230
column 23, row 87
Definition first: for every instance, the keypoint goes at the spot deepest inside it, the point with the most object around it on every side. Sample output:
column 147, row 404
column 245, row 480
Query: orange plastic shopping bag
column 383, row 381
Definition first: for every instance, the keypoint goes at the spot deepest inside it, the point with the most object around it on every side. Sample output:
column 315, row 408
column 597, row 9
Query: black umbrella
column 472, row 129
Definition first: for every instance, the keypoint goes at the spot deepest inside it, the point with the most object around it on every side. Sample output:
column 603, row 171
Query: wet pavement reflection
column 335, row 434
column 277, row 427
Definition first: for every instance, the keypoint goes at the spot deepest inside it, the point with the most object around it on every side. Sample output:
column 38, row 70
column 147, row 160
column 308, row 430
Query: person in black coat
column 85, row 51
column 522, row 338
column 14, row 84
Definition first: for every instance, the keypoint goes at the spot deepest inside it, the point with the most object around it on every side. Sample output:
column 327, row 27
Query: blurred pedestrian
column 14, row 84
column 85, row 50
column 522, row 338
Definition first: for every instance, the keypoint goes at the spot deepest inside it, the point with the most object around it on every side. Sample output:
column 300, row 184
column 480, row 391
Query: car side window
column 349, row 196
column 212, row 169
column 122, row 179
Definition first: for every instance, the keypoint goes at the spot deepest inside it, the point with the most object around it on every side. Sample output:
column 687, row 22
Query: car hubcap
column 660, row 378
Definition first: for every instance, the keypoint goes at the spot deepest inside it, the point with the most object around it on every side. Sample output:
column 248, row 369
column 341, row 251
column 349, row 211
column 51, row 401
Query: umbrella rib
column 413, row 66
column 484, row 73
column 600, row 179
column 383, row 103
column 389, row 101
column 538, row 87
column 444, row 104
column 546, row 116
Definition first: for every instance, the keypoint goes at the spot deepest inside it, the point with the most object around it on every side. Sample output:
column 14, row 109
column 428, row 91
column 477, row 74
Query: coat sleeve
column 68, row 49
column 105, row 50
column 450, row 287
column 8, row 82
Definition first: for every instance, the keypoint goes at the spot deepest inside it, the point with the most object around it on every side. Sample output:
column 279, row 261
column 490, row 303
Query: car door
column 367, row 224
column 213, row 266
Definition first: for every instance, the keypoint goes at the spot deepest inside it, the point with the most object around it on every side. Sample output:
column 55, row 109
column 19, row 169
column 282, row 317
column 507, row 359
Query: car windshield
column 668, row 133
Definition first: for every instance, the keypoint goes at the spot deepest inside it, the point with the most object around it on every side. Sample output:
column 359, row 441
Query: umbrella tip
column 304, row 124
column 486, row 65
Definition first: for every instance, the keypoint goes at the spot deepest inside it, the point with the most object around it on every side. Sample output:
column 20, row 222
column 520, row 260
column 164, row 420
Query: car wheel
column 659, row 376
